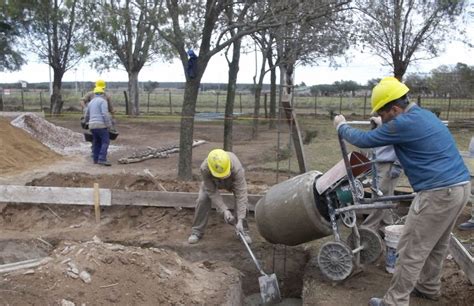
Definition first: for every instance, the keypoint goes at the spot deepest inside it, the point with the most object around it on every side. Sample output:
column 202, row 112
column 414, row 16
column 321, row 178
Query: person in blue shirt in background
column 427, row 153
column 100, row 122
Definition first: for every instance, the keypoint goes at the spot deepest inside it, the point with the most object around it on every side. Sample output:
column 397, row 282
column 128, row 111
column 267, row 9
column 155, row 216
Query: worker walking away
column 428, row 154
column 387, row 172
column 221, row 170
column 100, row 122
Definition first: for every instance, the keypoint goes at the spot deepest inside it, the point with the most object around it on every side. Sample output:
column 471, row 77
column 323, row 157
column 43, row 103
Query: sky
column 361, row 68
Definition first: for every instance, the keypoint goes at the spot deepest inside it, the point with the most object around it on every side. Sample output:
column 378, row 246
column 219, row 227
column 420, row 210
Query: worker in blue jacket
column 428, row 154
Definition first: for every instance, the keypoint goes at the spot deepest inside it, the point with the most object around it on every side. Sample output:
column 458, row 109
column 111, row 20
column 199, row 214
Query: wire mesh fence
column 170, row 102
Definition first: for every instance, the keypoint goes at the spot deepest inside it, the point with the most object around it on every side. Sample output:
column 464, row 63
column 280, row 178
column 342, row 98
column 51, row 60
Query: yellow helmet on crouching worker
column 100, row 83
column 387, row 90
column 218, row 162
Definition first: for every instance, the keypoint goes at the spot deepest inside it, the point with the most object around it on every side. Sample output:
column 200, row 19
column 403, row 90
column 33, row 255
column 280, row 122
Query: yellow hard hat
column 387, row 90
column 219, row 164
column 98, row 90
column 100, row 83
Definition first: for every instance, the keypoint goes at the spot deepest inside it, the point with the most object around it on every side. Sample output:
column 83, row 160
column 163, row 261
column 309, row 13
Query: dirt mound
column 20, row 151
column 97, row 273
column 61, row 140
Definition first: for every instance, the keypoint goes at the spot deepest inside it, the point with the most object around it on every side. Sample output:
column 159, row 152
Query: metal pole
column 365, row 104
column 22, row 101
column 217, row 102
column 449, row 107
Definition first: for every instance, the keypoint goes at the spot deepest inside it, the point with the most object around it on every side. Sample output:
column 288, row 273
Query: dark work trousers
column 100, row 144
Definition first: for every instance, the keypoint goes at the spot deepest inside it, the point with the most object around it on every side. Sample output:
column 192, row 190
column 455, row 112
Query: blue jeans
column 100, row 144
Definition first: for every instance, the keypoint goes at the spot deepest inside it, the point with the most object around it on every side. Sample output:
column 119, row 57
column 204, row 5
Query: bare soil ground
column 140, row 256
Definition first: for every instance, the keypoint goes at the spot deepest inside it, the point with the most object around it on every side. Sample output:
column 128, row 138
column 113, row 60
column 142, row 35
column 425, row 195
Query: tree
column 202, row 25
column 400, row 31
column 57, row 36
column 12, row 20
column 125, row 34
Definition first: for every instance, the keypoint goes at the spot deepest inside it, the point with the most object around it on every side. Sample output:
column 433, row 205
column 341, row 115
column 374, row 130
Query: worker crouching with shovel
column 221, row 170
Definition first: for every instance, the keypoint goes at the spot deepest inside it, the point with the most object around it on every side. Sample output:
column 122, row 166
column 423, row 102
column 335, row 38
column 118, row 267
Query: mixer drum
column 288, row 213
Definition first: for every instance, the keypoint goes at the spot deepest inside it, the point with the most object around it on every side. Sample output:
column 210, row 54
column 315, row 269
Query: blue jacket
column 97, row 113
column 423, row 144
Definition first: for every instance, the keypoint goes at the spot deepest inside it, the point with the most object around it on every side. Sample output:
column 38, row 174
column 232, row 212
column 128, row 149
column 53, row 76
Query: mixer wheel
column 335, row 260
column 371, row 242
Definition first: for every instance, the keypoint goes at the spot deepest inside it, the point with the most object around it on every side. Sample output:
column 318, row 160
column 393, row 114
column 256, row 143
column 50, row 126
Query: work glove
column 339, row 120
column 239, row 227
column 375, row 122
column 395, row 170
column 228, row 216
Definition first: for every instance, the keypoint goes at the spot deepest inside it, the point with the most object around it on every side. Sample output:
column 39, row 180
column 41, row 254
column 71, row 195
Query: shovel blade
column 269, row 290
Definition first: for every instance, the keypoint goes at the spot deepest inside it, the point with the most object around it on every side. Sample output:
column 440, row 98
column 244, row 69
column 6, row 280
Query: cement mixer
column 311, row 206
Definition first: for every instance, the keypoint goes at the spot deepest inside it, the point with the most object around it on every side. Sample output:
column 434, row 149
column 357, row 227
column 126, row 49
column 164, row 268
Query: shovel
column 269, row 290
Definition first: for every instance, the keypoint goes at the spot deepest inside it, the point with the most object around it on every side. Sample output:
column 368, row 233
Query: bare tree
column 199, row 24
column 125, row 34
column 58, row 37
column 400, row 31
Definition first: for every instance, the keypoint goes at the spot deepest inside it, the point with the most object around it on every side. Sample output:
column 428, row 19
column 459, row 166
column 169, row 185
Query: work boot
column 432, row 297
column 104, row 163
column 376, row 302
column 466, row 226
column 193, row 239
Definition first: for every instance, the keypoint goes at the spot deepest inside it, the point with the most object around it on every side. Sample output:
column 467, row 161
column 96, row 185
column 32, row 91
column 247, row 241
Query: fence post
column 126, row 102
column 365, row 105
column 449, row 107
column 22, row 101
column 240, row 100
column 171, row 105
column 217, row 102
column 418, row 100
column 41, row 101
column 315, row 105
column 148, row 104
column 1, row 100
column 340, row 103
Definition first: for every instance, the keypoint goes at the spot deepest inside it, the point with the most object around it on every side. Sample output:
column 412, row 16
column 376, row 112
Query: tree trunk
column 273, row 96
column 134, row 106
column 256, row 110
column 231, row 86
column 56, row 98
column 187, row 128
column 258, row 93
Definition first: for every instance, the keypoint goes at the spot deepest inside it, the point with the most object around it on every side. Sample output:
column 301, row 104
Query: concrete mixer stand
column 338, row 259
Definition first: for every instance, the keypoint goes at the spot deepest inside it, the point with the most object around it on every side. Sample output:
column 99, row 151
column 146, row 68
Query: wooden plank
column 108, row 197
column 52, row 195
column 462, row 257
column 295, row 134
column 170, row 199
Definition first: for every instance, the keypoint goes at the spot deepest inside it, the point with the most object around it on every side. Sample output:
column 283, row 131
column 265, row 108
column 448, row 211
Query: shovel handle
column 241, row 236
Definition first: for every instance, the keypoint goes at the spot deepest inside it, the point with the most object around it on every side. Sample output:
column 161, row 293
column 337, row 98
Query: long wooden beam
column 52, row 195
column 108, row 197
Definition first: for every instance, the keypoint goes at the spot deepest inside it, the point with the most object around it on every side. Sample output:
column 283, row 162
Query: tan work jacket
column 235, row 183
column 91, row 95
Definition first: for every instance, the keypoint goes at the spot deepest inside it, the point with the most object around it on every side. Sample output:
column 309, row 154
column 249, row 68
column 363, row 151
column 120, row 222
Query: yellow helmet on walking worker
column 218, row 162
column 387, row 90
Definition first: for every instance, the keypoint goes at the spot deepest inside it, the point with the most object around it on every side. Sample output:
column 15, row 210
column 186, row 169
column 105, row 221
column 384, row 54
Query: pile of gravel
column 61, row 140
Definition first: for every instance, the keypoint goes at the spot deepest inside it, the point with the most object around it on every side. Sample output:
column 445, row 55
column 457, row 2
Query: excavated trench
column 149, row 228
